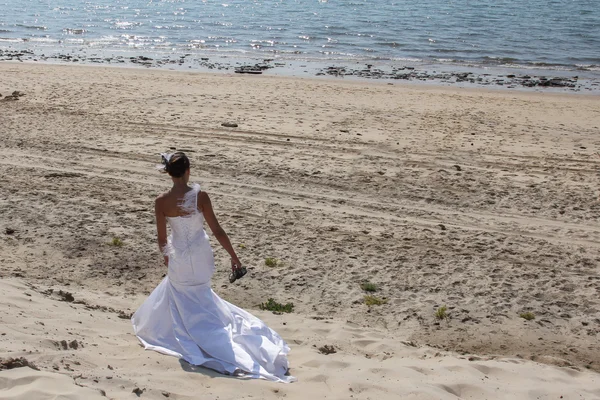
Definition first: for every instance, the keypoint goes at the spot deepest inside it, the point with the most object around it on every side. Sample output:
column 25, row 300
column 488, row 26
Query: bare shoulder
column 203, row 198
column 160, row 199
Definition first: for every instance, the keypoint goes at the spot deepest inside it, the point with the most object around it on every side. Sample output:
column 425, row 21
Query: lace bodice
column 186, row 231
column 188, row 248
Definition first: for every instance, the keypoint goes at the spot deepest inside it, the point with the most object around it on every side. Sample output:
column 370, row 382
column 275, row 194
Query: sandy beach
column 484, row 202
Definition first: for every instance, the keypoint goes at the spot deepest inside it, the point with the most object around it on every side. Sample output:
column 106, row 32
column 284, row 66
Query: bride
column 183, row 317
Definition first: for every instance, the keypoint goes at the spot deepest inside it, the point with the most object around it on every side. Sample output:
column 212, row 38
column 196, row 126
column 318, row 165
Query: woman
column 183, row 317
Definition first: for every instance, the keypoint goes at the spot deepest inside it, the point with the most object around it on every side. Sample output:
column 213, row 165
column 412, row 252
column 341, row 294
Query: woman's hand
column 235, row 263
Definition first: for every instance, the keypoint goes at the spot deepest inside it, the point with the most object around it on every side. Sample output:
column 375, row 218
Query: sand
column 369, row 363
column 485, row 202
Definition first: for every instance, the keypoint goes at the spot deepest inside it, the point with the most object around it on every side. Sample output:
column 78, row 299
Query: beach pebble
column 229, row 124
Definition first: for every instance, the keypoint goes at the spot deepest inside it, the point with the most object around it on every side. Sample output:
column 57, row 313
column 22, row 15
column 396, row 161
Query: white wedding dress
column 184, row 318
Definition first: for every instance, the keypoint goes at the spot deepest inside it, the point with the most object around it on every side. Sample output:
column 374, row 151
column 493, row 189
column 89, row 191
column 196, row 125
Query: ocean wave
column 498, row 60
column 171, row 27
column 505, row 62
column 219, row 23
column 104, row 41
column 219, row 50
column 74, row 31
column 390, row 44
column 224, row 39
column 340, row 56
column 12, row 40
column 35, row 27
column 456, row 51
column 446, row 60
column 588, row 67
column 354, row 4
column 407, row 59
column 43, row 40
column 336, row 30
column 125, row 25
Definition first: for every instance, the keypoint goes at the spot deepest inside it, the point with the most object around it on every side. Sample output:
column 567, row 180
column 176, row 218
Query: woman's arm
column 205, row 205
column 161, row 228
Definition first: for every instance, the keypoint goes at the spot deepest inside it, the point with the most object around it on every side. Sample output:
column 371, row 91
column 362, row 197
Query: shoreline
column 445, row 75
column 414, row 86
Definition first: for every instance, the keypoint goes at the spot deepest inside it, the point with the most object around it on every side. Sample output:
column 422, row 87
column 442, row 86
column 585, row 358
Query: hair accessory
column 165, row 158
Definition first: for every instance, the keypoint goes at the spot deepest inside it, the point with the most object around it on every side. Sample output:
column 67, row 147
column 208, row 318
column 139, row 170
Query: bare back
column 169, row 203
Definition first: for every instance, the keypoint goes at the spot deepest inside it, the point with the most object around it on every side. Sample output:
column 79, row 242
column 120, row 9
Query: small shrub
column 374, row 301
column 271, row 262
column 527, row 315
column 441, row 313
column 369, row 287
column 327, row 349
column 116, row 242
column 272, row 305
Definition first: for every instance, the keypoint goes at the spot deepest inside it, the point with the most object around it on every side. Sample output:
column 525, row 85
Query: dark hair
column 177, row 165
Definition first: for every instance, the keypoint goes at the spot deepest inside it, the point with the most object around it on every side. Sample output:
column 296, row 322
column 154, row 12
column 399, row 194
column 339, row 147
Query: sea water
column 553, row 34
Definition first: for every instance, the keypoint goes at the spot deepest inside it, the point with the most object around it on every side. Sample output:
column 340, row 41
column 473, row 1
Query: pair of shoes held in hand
column 237, row 273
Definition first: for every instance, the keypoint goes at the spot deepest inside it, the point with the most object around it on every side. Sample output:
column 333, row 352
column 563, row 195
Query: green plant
column 441, row 313
column 271, row 262
column 116, row 242
column 527, row 315
column 369, row 287
column 272, row 305
column 371, row 300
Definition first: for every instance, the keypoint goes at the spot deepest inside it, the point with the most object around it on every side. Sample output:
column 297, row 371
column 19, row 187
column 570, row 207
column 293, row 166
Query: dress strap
column 189, row 203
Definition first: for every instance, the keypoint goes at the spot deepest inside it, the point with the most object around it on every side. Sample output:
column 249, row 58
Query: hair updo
column 177, row 164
